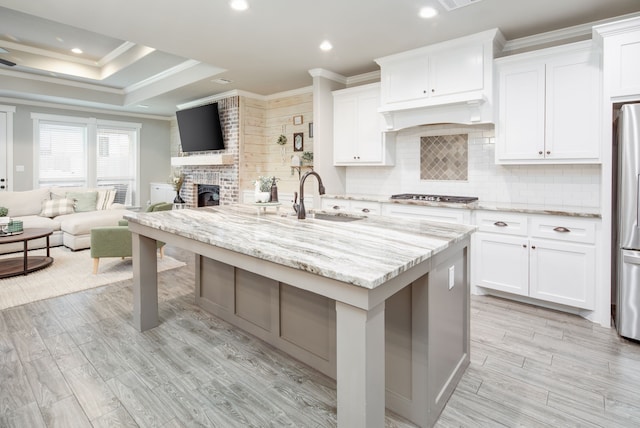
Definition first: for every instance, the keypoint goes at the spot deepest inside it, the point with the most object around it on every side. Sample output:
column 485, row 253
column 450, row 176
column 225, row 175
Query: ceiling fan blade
column 6, row 62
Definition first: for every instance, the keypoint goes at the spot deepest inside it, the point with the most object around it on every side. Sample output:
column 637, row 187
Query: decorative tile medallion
column 444, row 157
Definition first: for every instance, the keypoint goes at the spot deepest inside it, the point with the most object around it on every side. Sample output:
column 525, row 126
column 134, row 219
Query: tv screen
column 200, row 129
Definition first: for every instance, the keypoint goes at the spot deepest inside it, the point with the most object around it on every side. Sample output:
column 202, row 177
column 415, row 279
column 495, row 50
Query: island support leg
column 145, row 282
column 360, row 351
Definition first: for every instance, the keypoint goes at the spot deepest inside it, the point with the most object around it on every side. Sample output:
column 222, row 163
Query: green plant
column 307, row 156
column 4, row 211
column 265, row 183
column 282, row 140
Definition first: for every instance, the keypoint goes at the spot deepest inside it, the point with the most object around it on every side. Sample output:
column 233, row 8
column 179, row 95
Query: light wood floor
column 76, row 361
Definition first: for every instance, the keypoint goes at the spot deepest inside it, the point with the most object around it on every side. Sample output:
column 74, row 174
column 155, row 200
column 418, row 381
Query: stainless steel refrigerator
column 627, row 208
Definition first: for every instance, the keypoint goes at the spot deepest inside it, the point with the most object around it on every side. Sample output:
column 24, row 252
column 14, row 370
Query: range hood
column 448, row 82
column 468, row 110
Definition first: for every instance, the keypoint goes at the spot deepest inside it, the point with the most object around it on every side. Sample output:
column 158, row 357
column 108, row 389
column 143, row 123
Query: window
column 74, row 151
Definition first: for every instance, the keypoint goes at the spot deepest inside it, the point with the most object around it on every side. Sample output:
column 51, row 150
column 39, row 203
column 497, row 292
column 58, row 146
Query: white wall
column 554, row 186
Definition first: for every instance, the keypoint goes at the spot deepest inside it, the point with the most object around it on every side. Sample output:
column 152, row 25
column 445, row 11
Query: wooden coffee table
column 23, row 265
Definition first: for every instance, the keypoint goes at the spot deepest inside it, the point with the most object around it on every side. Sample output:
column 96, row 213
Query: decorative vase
column 178, row 199
column 262, row 197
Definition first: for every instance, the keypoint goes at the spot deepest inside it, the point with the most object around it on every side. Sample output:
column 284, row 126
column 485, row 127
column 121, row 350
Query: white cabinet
column 621, row 49
column 549, row 106
column 359, row 137
column 549, row 258
column 161, row 192
column 355, row 206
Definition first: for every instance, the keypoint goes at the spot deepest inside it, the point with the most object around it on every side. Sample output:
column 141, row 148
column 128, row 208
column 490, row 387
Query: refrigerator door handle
column 633, row 259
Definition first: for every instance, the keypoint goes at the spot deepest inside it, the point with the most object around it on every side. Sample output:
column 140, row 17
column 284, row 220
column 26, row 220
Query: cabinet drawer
column 365, row 207
column 445, row 215
column 564, row 229
column 504, row 223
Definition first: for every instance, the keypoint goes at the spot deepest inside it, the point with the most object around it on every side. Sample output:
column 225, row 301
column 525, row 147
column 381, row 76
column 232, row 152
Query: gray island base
column 380, row 304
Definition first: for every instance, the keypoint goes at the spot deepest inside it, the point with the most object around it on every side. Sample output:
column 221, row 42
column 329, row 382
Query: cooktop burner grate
column 435, row 198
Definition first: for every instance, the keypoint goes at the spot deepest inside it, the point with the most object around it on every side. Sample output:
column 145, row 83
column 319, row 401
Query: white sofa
column 72, row 230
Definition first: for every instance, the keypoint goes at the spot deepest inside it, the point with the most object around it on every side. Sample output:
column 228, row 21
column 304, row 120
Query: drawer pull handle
column 500, row 224
column 524, row 245
column 336, row 207
column 365, row 210
column 533, row 247
column 561, row 229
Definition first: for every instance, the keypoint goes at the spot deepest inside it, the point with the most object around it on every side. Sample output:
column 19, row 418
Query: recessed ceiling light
column 239, row 4
column 76, row 50
column 326, row 45
column 427, row 12
column 222, row 81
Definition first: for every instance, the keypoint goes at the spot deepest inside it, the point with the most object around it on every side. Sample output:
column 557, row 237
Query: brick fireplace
column 227, row 177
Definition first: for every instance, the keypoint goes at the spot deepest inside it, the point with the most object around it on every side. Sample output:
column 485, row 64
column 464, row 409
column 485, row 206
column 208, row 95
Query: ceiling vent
column 456, row 4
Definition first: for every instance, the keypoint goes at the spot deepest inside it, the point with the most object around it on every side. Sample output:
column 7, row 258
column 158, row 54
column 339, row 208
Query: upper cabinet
column 457, row 74
column 549, row 108
column 358, row 128
column 620, row 42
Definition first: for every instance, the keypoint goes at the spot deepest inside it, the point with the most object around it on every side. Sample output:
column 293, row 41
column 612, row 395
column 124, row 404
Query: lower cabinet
column 549, row 258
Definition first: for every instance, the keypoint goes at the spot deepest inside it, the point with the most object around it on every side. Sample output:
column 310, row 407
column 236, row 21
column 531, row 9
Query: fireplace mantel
column 218, row 159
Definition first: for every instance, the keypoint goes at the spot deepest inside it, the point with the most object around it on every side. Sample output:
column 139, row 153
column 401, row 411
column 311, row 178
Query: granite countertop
column 587, row 212
column 367, row 252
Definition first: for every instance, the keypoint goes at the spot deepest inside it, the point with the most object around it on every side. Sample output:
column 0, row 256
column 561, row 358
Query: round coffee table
column 23, row 265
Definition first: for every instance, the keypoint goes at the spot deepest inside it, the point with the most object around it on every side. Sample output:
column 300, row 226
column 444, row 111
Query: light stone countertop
column 587, row 212
column 366, row 252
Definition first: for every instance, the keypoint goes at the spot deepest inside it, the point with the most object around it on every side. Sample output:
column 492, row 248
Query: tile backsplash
column 548, row 185
column 444, row 157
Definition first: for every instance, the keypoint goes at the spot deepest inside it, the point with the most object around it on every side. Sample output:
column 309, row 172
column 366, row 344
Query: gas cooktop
column 435, row 198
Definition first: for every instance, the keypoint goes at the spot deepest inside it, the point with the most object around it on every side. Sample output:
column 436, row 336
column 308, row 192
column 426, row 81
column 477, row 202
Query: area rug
column 70, row 272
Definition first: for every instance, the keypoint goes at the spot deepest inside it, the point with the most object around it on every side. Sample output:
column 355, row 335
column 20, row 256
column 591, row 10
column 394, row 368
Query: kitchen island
column 380, row 304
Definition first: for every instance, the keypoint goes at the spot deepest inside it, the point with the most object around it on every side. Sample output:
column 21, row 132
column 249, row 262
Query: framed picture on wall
column 298, row 141
column 297, row 120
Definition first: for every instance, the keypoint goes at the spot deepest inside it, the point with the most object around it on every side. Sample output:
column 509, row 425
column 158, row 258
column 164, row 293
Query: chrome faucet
column 301, row 212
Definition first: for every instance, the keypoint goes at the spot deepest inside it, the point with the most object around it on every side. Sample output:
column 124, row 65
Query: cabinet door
column 501, row 262
column 345, row 132
column 456, row 70
column 572, row 107
column 623, row 57
column 563, row 273
column 520, row 130
column 369, row 145
column 405, row 80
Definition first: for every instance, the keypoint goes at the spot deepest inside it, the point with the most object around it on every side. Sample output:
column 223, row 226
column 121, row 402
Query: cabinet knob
column 424, row 91
column 548, row 152
column 433, row 91
column 533, row 247
column 500, row 224
column 2, row 180
column 561, row 229
column 524, row 245
column 540, row 152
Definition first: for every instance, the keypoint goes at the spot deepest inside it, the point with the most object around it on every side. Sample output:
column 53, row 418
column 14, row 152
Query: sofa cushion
column 56, row 207
column 84, row 201
column 82, row 223
column 30, row 221
column 105, row 198
column 24, row 203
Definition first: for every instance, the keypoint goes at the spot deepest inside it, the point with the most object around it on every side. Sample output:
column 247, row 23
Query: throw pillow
column 84, row 201
column 4, row 212
column 105, row 199
column 56, row 207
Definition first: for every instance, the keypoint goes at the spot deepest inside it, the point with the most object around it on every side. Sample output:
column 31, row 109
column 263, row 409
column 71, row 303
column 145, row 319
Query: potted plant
column 263, row 189
column 177, row 180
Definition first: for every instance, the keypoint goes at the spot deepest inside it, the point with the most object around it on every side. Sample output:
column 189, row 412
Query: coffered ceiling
column 148, row 56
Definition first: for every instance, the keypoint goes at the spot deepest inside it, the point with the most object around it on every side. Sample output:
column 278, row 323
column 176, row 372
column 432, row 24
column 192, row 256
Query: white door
column 502, row 262
column 563, row 273
column 4, row 151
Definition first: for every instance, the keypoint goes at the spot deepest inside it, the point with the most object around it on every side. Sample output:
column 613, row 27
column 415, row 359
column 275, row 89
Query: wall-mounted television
column 200, row 129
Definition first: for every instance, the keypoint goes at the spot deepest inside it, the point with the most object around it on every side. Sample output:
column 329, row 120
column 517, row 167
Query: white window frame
column 92, row 125
column 8, row 148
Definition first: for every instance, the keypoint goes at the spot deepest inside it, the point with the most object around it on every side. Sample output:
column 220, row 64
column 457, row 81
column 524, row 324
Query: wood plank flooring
column 76, row 361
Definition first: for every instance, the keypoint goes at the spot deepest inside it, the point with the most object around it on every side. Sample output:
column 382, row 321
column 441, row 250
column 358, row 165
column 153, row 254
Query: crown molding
column 59, row 81
column 115, row 53
column 321, row 72
column 63, row 106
